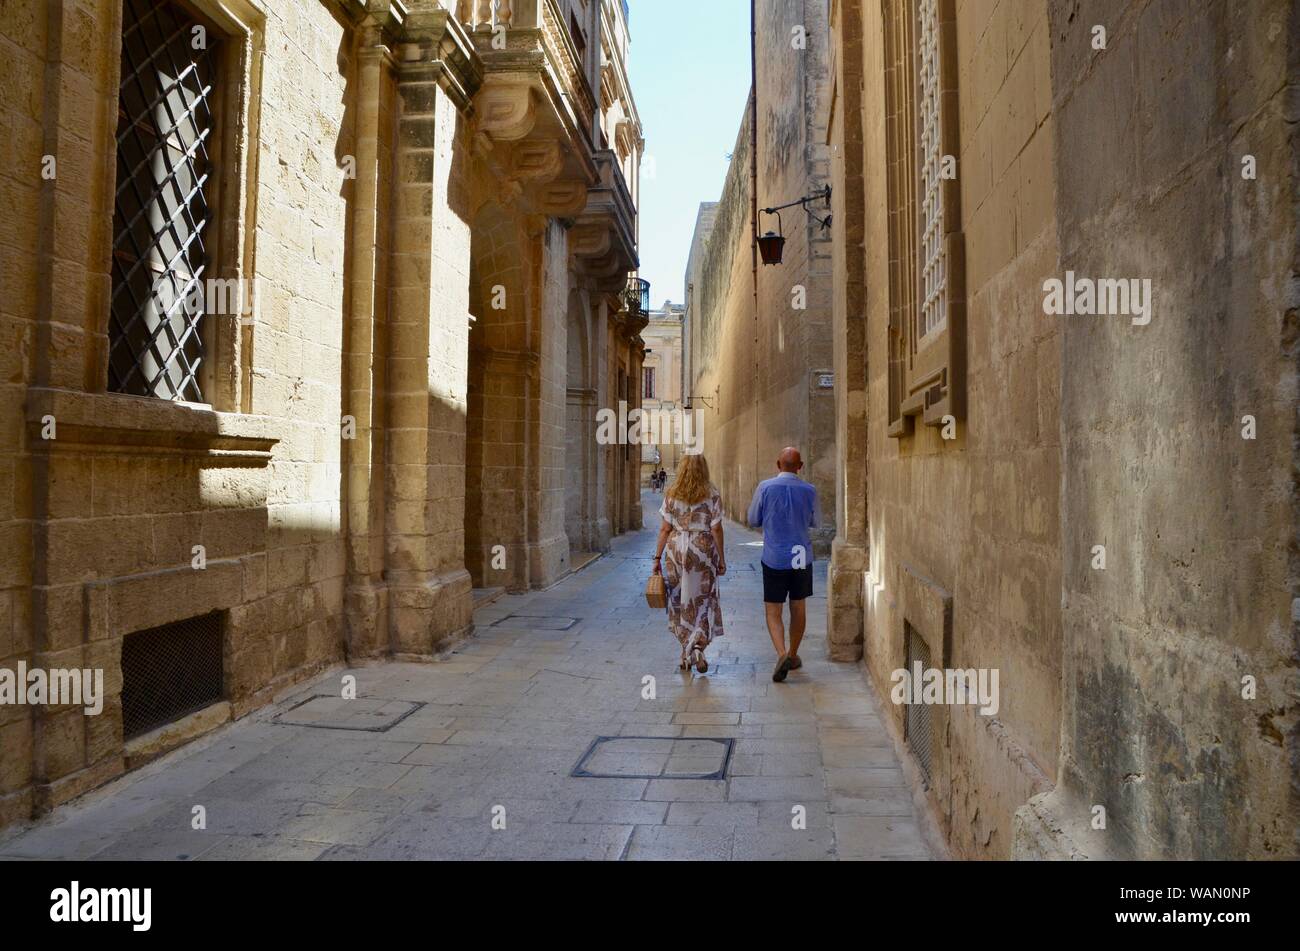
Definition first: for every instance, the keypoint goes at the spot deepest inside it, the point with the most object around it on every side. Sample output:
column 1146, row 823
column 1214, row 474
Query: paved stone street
column 428, row 756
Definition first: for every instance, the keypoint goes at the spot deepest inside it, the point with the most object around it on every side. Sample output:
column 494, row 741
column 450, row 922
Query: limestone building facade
column 1102, row 506
column 758, row 341
column 413, row 225
column 662, row 378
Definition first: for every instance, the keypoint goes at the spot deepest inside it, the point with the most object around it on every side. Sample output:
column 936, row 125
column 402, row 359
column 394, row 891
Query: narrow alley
column 348, row 348
column 475, row 756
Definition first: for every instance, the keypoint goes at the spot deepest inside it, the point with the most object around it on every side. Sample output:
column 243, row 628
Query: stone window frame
column 648, row 390
column 228, row 338
column 927, row 370
column 578, row 35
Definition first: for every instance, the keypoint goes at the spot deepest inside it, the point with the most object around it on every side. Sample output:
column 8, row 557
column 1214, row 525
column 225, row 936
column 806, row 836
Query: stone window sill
column 113, row 421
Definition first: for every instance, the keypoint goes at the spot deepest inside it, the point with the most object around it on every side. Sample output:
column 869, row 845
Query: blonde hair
column 692, row 484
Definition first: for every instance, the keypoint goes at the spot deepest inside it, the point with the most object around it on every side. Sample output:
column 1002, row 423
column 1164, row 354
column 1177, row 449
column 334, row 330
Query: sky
column 690, row 78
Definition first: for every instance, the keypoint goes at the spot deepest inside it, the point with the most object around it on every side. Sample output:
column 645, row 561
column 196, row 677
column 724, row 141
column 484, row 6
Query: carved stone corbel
column 590, row 241
column 507, row 112
column 536, row 160
column 560, row 199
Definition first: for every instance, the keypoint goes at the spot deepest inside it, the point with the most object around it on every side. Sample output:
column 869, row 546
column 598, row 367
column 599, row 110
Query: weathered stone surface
column 1121, row 687
column 319, row 503
column 757, row 376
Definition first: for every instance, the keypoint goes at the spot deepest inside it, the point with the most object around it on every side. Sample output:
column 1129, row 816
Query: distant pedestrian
column 691, row 535
column 785, row 508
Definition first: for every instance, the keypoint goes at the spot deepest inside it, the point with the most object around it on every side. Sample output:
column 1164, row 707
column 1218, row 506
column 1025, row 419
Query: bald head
column 789, row 460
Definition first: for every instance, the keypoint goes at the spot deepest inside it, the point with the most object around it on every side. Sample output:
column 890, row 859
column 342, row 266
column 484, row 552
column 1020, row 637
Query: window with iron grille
column 161, row 219
column 933, row 264
column 917, row 728
column 649, row 383
column 170, row 672
column 927, row 281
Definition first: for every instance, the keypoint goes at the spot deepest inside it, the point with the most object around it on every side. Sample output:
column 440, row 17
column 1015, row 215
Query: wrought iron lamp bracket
column 824, row 195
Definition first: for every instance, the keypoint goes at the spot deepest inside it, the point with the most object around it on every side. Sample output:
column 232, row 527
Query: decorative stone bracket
column 534, row 112
column 604, row 243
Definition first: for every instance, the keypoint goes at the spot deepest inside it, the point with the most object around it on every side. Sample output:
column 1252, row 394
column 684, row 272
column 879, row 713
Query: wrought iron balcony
column 638, row 298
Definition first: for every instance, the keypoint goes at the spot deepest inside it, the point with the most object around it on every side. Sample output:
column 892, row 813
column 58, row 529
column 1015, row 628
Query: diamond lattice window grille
column 933, row 315
column 161, row 214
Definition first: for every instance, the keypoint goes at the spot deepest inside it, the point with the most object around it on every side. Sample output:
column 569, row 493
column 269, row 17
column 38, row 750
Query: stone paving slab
column 473, row 757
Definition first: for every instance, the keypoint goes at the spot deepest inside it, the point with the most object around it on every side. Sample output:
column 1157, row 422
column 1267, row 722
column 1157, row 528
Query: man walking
column 785, row 508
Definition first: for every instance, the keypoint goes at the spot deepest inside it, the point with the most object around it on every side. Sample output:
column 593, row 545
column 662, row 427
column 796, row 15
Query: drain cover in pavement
column 527, row 622
column 365, row 715
column 648, row 757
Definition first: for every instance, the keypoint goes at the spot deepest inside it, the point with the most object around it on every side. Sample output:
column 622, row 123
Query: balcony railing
column 486, row 14
column 638, row 297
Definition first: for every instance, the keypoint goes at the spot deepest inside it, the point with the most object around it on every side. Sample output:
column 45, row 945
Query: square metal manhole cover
column 365, row 715
column 529, row 622
column 648, row 757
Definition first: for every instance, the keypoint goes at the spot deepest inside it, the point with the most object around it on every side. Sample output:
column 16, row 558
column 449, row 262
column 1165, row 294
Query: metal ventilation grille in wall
column 170, row 672
column 917, row 724
column 160, row 260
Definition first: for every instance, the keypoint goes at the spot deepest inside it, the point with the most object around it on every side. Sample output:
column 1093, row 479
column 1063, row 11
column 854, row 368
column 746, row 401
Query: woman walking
column 691, row 535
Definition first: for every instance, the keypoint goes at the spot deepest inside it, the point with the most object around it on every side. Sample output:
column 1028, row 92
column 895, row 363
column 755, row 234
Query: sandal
column 701, row 664
column 782, row 670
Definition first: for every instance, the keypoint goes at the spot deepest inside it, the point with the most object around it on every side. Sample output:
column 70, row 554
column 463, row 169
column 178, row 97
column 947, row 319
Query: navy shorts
column 782, row 584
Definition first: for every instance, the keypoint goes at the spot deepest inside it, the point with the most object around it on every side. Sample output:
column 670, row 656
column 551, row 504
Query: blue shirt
column 785, row 508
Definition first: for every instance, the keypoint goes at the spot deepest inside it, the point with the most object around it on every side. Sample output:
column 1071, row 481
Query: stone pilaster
column 366, row 593
column 548, row 543
column 603, row 528
column 497, row 530
column 430, row 592
column 632, row 477
column 850, row 551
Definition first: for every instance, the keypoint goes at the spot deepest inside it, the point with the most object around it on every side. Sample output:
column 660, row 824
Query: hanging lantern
column 771, row 247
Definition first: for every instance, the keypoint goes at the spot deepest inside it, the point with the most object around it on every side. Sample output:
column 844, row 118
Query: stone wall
column 693, row 293
column 664, row 353
column 1197, row 522
column 24, row 47
column 127, row 493
column 1121, row 682
column 759, row 372
column 318, row 504
column 960, row 537
column 845, row 117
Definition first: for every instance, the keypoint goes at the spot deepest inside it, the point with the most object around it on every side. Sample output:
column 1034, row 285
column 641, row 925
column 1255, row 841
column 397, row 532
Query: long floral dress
column 691, row 572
